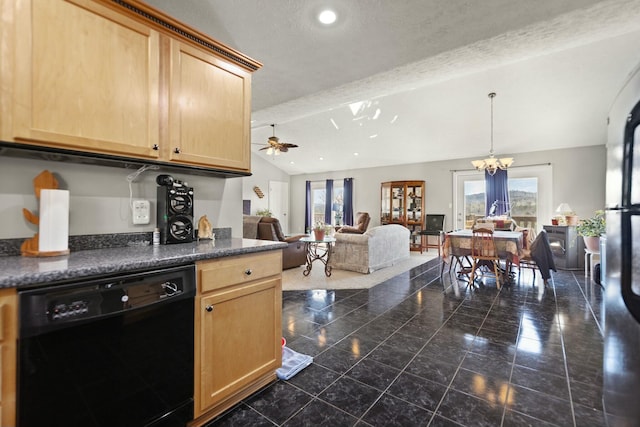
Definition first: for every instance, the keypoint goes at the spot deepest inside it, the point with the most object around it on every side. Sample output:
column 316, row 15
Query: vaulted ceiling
column 407, row 81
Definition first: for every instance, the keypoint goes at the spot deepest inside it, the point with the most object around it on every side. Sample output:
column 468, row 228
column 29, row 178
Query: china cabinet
column 402, row 202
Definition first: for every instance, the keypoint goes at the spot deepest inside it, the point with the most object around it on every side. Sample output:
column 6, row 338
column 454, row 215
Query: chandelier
column 491, row 164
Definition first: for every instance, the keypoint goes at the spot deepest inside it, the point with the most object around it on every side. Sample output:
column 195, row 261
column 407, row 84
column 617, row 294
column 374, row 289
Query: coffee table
column 318, row 250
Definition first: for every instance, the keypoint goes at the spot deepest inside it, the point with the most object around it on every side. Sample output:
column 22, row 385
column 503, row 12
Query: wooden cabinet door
column 8, row 364
column 240, row 330
column 86, row 78
column 210, row 110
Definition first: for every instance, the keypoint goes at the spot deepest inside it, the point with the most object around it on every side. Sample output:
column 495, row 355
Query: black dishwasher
column 110, row 352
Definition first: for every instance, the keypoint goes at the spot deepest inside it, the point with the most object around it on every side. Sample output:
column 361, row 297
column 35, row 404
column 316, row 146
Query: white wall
column 262, row 172
column 578, row 179
column 99, row 197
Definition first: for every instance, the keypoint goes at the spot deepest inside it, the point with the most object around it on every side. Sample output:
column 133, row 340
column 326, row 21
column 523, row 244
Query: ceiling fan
column 274, row 146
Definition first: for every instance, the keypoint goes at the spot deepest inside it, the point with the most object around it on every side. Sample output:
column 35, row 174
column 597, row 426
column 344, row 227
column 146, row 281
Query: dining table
column 457, row 244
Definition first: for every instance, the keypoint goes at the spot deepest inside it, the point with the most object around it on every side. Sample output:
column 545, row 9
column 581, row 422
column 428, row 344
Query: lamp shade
column 564, row 208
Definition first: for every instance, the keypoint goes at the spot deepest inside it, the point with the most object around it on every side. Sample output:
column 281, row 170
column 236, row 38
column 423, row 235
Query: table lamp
column 570, row 217
column 564, row 209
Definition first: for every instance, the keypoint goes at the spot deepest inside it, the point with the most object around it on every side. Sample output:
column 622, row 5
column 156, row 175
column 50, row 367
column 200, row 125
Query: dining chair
column 488, row 225
column 434, row 226
column 525, row 261
column 484, row 254
column 457, row 258
column 541, row 256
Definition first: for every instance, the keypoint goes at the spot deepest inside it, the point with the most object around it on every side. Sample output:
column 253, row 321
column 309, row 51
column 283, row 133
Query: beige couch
column 377, row 248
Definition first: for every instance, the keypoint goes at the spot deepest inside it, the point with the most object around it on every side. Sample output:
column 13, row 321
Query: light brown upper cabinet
column 209, row 115
column 86, row 78
column 91, row 76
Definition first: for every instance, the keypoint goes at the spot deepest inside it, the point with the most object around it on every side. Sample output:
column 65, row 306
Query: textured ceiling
column 423, row 70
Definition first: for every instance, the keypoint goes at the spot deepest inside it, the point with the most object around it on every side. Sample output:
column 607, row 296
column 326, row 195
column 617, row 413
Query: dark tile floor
column 418, row 350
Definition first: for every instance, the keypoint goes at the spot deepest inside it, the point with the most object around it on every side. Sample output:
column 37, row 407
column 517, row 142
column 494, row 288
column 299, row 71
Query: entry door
column 279, row 203
column 466, row 209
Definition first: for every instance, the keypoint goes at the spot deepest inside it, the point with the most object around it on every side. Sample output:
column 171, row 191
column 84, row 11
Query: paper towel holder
column 31, row 247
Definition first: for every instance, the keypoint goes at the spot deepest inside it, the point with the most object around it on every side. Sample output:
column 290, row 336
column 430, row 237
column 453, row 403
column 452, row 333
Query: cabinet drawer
column 217, row 274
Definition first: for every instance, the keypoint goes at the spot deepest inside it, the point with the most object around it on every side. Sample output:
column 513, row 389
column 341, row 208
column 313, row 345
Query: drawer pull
column 248, row 272
column 176, row 150
column 209, row 308
column 155, row 147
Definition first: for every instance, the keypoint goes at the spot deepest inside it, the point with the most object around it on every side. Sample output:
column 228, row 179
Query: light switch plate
column 141, row 212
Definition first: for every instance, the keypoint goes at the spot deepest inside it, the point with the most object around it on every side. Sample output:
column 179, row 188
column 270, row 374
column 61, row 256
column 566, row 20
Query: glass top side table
column 318, row 250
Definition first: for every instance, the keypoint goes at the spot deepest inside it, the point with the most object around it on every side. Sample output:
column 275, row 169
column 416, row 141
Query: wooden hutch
column 402, row 202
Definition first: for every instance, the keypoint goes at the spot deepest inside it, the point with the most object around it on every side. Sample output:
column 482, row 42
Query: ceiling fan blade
column 286, row 144
column 283, row 148
column 264, row 148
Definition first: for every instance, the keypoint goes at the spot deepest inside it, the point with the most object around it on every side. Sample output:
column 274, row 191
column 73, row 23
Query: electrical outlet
column 141, row 212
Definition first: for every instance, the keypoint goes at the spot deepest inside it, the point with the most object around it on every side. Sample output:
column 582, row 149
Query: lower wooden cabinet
column 238, row 329
column 8, row 341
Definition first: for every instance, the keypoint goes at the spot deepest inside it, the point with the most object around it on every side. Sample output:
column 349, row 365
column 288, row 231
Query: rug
column 294, row 280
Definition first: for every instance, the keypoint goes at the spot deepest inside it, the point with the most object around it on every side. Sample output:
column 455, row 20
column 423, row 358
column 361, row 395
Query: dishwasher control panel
column 74, row 309
column 53, row 306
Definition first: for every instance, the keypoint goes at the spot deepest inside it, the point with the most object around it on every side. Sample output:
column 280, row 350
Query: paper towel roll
column 54, row 221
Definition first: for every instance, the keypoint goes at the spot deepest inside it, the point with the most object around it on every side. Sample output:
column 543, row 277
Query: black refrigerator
column 621, row 363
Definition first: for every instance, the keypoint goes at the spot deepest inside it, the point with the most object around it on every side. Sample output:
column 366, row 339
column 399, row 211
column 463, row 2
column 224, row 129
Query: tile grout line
column 409, row 312
column 513, row 361
column 564, row 352
column 595, row 318
column 414, row 356
column 435, row 412
column 343, row 375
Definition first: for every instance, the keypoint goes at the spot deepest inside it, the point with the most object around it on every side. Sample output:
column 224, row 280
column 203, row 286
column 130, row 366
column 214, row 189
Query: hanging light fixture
column 491, row 164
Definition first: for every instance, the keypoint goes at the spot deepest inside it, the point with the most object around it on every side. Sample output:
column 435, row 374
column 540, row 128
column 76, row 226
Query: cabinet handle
column 209, row 308
column 176, row 150
column 155, row 147
column 248, row 272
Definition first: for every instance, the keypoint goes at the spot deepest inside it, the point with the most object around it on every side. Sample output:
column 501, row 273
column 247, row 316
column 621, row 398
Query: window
column 523, row 196
column 319, row 197
column 529, row 195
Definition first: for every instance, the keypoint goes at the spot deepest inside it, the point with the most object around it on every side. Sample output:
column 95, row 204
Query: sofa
column 360, row 225
column 377, row 248
column 268, row 228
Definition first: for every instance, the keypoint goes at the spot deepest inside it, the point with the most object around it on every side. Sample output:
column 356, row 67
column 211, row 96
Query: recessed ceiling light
column 327, row 17
column 355, row 154
column 321, row 158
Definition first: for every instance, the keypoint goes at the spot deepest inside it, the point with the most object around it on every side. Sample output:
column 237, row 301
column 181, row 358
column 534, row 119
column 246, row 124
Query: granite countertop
column 18, row 271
